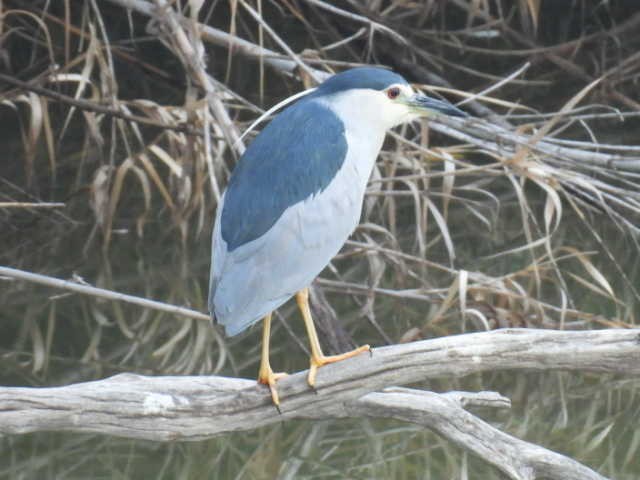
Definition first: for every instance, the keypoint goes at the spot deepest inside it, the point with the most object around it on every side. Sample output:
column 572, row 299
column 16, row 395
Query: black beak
column 424, row 105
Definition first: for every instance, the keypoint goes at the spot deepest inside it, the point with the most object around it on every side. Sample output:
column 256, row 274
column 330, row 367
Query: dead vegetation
column 122, row 119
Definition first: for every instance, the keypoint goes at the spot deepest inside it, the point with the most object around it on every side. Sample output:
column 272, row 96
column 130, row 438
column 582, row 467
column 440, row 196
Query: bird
column 296, row 195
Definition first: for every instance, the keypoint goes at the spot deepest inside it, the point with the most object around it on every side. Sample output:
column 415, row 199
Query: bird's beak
column 426, row 106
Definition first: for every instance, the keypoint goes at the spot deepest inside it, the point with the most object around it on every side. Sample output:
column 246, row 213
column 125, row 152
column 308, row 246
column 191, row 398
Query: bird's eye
column 393, row 92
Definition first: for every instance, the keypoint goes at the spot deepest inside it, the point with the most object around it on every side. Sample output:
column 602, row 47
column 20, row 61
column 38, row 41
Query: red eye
column 393, row 92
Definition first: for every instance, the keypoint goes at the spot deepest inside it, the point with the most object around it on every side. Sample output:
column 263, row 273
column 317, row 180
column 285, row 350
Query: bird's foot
column 266, row 376
column 321, row 360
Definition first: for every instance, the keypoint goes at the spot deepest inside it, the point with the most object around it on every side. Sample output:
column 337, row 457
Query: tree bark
column 170, row 408
column 194, row 408
column 444, row 414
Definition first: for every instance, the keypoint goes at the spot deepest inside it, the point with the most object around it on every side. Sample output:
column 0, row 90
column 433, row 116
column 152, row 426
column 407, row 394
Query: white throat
column 367, row 115
column 367, row 111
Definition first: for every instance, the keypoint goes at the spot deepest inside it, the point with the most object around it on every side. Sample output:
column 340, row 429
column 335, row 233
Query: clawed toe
column 270, row 378
column 318, row 361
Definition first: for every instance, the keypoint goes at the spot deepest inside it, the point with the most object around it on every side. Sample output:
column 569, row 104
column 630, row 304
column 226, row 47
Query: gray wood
column 170, row 408
column 194, row 408
column 444, row 414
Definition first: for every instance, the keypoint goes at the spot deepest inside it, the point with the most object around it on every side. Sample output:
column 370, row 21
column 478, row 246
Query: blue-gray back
column 294, row 157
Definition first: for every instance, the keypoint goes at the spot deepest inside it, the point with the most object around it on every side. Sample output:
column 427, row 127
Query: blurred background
column 454, row 237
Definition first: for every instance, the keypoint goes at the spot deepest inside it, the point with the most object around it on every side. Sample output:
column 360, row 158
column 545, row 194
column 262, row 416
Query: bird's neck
column 365, row 128
column 361, row 113
column 362, row 118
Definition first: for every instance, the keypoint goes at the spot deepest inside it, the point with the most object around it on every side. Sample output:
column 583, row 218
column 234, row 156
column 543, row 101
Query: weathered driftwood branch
column 444, row 413
column 192, row 408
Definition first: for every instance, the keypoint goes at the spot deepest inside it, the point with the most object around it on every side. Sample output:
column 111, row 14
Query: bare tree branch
column 445, row 414
column 504, row 143
column 102, row 293
column 92, row 106
column 224, row 39
column 189, row 49
column 193, row 408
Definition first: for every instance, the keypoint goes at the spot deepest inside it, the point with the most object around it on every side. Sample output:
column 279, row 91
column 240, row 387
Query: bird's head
column 375, row 96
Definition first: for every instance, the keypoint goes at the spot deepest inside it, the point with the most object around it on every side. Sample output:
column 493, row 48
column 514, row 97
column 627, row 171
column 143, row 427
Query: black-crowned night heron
column 296, row 196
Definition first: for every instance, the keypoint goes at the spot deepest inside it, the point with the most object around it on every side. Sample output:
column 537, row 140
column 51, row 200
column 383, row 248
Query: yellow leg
column 318, row 359
column 266, row 375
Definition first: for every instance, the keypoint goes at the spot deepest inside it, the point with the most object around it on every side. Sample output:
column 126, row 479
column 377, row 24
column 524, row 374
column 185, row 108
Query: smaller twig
column 497, row 85
column 31, row 205
column 358, row 18
column 190, row 51
column 258, row 18
column 338, row 44
column 224, row 39
column 463, row 399
column 102, row 293
column 93, row 107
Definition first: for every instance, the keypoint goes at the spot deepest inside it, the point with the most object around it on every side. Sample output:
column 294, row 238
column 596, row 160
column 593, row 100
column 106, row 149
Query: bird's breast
column 364, row 148
column 340, row 204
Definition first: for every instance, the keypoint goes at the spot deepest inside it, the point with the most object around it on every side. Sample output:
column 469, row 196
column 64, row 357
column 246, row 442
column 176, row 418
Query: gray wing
column 258, row 277
column 302, row 215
